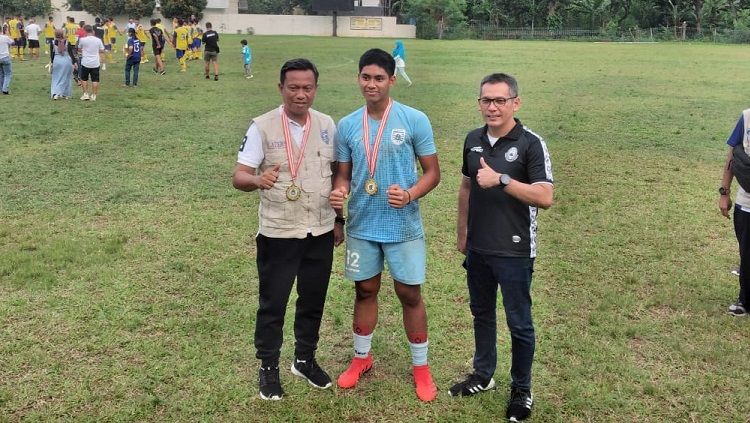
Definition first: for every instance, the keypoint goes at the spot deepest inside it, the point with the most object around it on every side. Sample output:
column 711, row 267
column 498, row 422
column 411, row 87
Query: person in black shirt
column 211, row 50
column 507, row 176
column 157, row 43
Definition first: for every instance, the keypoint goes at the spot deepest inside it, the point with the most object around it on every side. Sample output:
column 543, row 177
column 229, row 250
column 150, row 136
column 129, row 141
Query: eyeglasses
column 498, row 102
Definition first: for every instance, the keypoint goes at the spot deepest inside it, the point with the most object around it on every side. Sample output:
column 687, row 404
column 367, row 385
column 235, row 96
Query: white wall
column 232, row 23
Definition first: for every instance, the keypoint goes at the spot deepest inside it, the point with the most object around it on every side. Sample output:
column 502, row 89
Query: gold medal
column 293, row 193
column 371, row 187
column 371, row 152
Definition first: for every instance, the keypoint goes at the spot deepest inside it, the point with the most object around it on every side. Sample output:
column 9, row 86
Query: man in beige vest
column 288, row 154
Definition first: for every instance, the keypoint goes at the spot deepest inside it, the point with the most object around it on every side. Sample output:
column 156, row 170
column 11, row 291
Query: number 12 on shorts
column 352, row 260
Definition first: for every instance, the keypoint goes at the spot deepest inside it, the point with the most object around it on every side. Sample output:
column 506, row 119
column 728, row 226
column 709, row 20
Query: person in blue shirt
column 247, row 55
column 378, row 147
column 399, row 55
column 133, row 59
column 732, row 169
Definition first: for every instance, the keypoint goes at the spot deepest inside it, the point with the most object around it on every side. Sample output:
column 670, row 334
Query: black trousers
column 742, row 230
column 281, row 261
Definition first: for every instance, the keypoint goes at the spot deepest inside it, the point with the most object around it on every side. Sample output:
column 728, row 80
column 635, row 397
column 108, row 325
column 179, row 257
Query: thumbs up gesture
column 269, row 177
column 486, row 177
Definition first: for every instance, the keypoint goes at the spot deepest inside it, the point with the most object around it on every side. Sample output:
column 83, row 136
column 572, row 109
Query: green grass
column 127, row 275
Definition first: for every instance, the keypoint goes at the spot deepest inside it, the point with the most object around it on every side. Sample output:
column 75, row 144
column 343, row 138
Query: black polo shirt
column 211, row 41
column 499, row 224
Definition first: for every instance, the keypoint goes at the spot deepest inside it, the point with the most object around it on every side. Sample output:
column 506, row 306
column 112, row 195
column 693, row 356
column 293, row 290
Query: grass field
column 127, row 275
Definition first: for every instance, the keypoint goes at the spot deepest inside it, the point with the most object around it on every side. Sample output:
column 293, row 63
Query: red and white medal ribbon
column 294, row 166
column 372, row 153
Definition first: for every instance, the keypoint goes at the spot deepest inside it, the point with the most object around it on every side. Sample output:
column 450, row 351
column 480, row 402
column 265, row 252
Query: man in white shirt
column 89, row 48
column 32, row 33
column 6, row 71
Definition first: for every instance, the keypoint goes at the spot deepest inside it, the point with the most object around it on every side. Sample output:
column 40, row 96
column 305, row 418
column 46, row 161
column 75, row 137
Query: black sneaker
column 208, row 77
column 310, row 370
column 269, row 383
column 736, row 309
column 519, row 404
column 473, row 384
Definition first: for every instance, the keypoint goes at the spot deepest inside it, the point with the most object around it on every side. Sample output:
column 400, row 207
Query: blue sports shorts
column 406, row 260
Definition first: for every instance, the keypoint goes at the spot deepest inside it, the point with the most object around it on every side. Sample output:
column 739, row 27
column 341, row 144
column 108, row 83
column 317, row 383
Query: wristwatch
column 723, row 191
column 340, row 219
column 505, row 180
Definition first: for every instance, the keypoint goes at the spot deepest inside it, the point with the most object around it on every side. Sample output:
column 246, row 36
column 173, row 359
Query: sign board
column 365, row 23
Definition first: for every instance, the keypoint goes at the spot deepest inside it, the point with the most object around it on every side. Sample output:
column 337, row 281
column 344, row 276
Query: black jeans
column 280, row 261
column 484, row 274
column 742, row 230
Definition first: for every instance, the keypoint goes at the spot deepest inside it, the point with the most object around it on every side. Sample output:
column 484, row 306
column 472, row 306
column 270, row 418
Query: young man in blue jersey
column 378, row 146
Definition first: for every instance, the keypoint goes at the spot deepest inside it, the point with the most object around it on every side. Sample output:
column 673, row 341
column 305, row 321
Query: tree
column 594, row 11
column 25, row 7
column 182, row 8
column 104, row 7
column 434, row 16
column 140, row 8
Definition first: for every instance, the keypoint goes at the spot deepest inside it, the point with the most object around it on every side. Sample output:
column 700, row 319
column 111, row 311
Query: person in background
column 32, row 33
column 62, row 68
column 247, row 57
column 6, row 67
column 399, row 55
column 211, row 41
column 133, row 60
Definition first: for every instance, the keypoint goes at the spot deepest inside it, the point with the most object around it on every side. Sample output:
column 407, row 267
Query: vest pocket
column 275, row 210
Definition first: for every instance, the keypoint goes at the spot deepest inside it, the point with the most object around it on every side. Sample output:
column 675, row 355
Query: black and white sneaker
column 310, row 370
column 269, row 383
column 736, row 309
column 473, row 384
column 519, row 404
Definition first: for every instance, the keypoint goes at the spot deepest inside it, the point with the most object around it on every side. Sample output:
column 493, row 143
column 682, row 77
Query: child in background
column 247, row 54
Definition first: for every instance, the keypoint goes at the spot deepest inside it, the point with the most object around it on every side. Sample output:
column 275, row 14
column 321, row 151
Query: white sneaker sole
column 271, row 398
column 298, row 373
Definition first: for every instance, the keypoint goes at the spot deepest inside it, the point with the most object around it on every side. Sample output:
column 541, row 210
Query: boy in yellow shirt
column 140, row 33
column 181, row 37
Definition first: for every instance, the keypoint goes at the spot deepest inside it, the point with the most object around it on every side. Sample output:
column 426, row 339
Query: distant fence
column 487, row 31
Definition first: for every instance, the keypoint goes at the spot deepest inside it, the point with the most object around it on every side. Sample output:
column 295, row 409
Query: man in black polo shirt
column 507, row 177
column 211, row 50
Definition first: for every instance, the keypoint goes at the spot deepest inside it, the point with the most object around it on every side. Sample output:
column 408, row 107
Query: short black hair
column 379, row 58
column 297, row 64
column 208, row 25
column 243, row 42
column 498, row 78
column 153, row 22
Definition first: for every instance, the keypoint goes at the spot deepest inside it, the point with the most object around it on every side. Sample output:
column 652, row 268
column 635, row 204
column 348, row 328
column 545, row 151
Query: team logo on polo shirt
column 477, row 149
column 511, row 154
column 398, row 136
column 324, row 136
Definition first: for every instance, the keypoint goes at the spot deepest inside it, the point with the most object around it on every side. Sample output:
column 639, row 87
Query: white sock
column 419, row 353
column 362, row 345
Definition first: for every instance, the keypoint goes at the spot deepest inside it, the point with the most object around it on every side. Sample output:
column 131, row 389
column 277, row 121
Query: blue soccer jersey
column 407, row 134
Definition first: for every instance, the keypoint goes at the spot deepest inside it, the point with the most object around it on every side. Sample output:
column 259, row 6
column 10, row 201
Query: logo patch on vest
column 324, row 136
column 398, row 136
column 511, row 155
column 276, row 145
column 477, row 149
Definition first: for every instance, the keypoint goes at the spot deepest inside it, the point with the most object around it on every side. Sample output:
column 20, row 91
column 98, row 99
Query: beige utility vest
column 280, row 217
